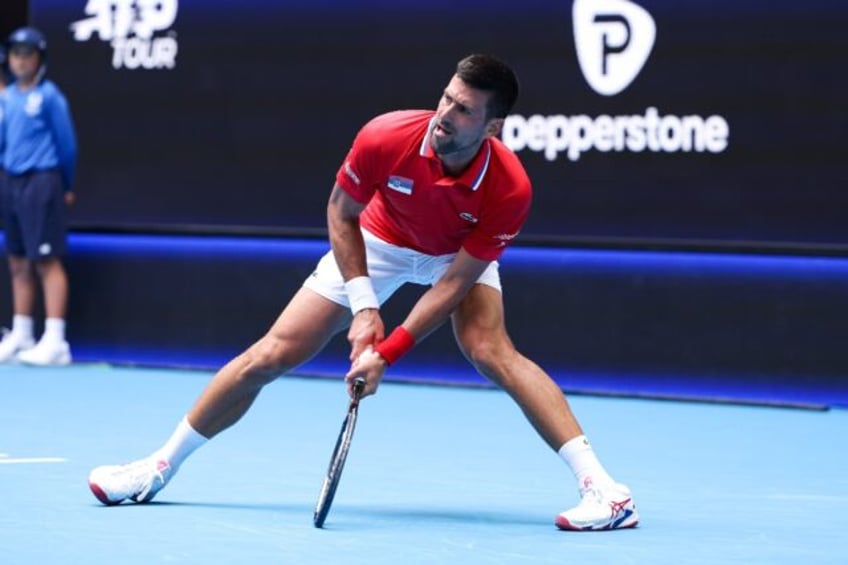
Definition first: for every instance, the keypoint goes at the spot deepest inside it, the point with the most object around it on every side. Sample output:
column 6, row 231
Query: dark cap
column 28, row 36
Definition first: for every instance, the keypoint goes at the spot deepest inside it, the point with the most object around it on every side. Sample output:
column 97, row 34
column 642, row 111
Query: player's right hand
column 366, row 329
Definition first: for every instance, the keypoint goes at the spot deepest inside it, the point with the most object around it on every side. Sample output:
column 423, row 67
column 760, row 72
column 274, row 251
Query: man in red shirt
column 434, row 198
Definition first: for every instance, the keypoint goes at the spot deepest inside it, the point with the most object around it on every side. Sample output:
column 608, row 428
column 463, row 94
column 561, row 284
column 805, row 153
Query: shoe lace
column 591, row 495
column 144, row 475
column 588, row 490
column 596, row 496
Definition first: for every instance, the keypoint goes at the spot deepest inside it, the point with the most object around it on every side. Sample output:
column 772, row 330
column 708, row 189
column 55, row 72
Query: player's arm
column 437, row 304
column 345, row 237
column 349, row 251
column 431, row 311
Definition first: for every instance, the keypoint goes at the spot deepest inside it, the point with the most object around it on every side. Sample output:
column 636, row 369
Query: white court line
column 6, row 460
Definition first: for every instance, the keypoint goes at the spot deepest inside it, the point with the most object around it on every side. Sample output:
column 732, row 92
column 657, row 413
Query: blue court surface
column 435, row 475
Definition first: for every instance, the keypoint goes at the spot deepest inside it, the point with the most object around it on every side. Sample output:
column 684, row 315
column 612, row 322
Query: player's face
column 461, row 122
column 24, row 62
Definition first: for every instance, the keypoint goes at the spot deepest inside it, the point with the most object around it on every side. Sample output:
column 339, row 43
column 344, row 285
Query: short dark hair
column 485, row 72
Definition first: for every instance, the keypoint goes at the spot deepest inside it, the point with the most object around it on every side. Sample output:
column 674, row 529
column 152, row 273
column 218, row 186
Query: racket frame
column 337, row 460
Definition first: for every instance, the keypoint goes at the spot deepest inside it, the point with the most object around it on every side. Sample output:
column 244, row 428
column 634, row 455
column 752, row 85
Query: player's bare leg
column 301, row 331
column 478, row 324
column 303, row 328
column 480, row 330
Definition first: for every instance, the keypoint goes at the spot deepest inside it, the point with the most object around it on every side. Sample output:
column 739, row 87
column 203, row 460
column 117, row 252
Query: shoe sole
column 630, row 521
column 13, row 356
column 57, row 363
column 101, row 495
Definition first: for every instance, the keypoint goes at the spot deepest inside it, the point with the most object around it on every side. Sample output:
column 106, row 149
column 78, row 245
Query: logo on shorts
column 138, row 31
column 44, row 249
column 613, row 40
column 468, row 217
column 400, row 184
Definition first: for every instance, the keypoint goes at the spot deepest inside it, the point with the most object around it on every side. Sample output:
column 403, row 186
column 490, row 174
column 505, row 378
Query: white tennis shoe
column 47, row 353
column 13, row 343
column 138, row 481
column 610, row 507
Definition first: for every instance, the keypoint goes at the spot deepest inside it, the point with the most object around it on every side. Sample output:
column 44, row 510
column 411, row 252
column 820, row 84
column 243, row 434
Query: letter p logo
column 613, row 40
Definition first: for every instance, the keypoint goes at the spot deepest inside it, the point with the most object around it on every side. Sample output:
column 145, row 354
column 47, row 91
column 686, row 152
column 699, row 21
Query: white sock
column 581, row 458
column 22, row 326
column 182, row 443
column 54, row 330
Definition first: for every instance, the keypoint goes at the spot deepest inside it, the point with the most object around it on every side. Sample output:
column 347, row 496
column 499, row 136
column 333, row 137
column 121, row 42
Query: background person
column 40, row 163
column 3, row 82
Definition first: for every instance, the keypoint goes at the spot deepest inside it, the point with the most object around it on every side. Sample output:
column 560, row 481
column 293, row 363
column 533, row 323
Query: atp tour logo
column 138, row 31
column 613, row 40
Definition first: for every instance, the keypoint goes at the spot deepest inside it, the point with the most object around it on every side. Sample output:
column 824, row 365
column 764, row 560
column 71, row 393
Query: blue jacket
column 2, row 128
column 39, row 132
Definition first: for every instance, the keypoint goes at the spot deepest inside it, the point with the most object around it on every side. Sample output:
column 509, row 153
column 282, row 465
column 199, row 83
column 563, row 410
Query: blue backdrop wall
column 662, row 324
column 688, row 233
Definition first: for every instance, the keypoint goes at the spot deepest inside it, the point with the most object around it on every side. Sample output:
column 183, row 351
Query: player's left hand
column 371, row 366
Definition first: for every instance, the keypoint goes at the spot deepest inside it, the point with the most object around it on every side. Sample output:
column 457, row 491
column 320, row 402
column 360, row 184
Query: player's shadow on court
column 411, row 514
column 281, row 508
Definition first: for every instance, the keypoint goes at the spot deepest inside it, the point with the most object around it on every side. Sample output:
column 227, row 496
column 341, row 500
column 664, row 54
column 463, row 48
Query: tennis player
column 430, row 198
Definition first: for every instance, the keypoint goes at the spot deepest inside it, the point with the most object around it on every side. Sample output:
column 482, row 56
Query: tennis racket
column 337, row 461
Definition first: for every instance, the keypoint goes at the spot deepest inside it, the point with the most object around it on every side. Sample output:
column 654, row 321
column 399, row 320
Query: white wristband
column 360, row 294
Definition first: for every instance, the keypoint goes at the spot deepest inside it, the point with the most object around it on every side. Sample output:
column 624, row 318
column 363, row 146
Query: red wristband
column 396, row 345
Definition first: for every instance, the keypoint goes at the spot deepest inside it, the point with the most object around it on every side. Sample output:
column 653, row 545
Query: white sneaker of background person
column 51, row 349
column 16, row 340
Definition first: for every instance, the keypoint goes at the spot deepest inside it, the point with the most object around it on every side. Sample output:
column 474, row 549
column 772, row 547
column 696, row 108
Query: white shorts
column 389, row 267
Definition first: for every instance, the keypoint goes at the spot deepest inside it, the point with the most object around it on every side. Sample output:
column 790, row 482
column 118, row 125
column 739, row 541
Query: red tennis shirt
column 412, row 203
